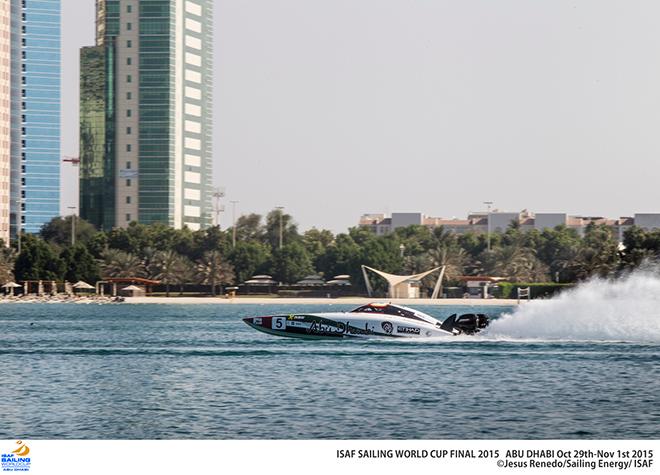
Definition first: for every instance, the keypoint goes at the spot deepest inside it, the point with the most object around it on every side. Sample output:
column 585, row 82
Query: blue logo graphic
column 17, row 460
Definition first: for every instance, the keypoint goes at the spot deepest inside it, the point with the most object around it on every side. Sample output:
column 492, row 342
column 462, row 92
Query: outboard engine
column 467, row 324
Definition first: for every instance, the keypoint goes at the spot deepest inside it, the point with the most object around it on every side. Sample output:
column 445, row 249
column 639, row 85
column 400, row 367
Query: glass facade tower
column 146, row 103
column 35, row 117
column 5, row 118
column 96, row 115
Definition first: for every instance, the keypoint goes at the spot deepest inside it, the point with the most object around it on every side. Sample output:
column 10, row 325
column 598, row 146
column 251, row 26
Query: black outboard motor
column 467, row 324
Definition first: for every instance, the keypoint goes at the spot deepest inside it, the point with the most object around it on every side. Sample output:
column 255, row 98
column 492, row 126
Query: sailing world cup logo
column 17, row 460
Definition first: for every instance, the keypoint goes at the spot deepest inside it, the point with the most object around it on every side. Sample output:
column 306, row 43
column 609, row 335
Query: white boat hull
column 344, row 325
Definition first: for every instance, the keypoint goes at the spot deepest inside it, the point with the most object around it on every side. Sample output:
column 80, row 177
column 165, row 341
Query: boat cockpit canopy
column 389, row 309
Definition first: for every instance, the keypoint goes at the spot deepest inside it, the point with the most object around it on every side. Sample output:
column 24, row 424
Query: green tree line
column 180, row 256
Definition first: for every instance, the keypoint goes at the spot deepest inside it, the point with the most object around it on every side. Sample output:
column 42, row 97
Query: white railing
column 524, row 293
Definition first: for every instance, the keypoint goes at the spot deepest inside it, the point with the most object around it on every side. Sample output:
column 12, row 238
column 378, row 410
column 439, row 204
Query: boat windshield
column 387, row 310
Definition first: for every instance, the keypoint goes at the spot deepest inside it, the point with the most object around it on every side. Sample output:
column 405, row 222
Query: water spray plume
column 623, row 309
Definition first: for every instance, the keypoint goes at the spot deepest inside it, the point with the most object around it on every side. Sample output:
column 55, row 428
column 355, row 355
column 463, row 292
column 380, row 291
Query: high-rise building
column 146, row 114
column 35, row 113
column 5, row 118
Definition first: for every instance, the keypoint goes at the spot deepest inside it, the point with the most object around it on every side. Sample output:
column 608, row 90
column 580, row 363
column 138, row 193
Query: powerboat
column 372, row 320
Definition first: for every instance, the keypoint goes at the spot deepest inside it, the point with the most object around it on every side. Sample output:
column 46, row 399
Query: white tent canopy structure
column 400, row 285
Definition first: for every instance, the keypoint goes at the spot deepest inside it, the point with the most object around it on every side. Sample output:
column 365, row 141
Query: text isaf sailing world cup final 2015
column 415, row 453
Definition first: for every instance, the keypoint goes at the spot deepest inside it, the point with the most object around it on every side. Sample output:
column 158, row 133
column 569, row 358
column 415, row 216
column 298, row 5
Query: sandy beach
column 257, row 301
column 313, row 301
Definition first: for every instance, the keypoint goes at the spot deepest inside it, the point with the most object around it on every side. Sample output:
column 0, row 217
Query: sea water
column 584, row 365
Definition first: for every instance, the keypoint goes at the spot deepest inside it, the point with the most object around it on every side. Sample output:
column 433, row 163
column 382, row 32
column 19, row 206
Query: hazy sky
column 337, row 108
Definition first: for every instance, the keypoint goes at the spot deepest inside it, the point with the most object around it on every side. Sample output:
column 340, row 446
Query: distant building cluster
column 499, row 221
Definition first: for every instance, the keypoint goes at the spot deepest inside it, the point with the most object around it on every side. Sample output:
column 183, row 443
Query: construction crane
column 75, row 161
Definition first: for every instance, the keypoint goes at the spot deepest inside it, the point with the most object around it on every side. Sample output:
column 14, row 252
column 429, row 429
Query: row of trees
column 178, row 257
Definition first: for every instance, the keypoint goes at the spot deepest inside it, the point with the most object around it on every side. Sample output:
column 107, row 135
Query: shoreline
column 316, row 301
column 265, row 301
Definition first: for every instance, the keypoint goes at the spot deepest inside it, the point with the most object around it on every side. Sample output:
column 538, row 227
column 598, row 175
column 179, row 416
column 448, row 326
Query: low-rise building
column 500, row 221
column 549, row 220
column 378, row 223
column 403, row 220
column 647, row 221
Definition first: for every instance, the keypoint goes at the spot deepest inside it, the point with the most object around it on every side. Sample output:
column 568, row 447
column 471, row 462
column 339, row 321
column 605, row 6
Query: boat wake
column 624, row 309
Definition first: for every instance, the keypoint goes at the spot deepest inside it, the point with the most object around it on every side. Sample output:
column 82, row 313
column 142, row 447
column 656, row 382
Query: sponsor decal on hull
column 407, row 330
column 315, row 326
column 334, row 328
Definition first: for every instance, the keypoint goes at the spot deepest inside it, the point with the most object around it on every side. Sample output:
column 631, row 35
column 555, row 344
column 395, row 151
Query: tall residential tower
column 5, row 118
column 29, row 115
column 35, row 113
column 146, row 114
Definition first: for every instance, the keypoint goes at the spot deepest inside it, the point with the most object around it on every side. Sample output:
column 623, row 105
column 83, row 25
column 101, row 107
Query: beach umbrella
column 132, row 288
column 338, row 282
column 311, row 280
column 80, row 285
column 11, row 286
column 133, row 291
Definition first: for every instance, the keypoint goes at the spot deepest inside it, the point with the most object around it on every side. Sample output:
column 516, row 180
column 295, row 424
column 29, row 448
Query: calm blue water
column 198, row 372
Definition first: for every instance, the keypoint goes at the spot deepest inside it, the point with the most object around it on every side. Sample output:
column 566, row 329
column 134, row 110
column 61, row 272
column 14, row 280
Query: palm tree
column 443, row 237
column 518, row 264
column 597, row 254
column 169, row 267
column 564, row 265
column 186, row 273
column 452, row 258
column 591, row 261
column 121, row 264
column 213, row 270
column 415, row 264
column 7, row 258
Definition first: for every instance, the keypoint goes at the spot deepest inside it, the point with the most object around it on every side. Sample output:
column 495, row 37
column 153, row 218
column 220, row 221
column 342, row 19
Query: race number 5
column 279, row 323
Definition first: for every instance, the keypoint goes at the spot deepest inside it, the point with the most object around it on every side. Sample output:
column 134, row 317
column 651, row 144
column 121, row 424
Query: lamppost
column 281, row 208
column 218, row 194
column 233, row 226
column 489, row 204
column 402, row 248
column 73, row 225
column 19, row 224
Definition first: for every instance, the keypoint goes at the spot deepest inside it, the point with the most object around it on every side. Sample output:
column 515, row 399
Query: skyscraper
column 146, row 114
column 35, row 113
column 5, row 118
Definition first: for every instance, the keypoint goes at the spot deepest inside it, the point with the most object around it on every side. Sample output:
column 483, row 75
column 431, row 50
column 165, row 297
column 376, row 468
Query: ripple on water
column 161, row 371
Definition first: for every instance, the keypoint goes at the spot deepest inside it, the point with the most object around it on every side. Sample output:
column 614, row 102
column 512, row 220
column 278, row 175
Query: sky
column 337, row 108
